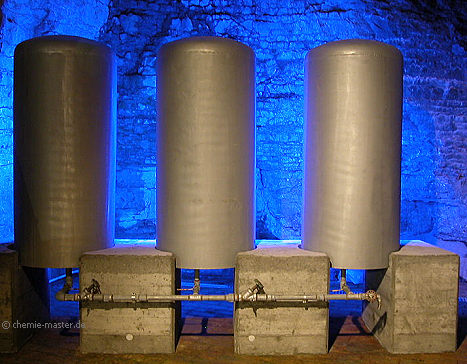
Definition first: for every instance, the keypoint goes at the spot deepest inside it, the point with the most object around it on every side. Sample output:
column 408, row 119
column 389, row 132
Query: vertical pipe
column 197, row 283
column 344, row 286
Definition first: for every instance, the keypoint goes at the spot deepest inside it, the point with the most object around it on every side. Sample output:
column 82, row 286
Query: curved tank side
column 64, row 149
column 205, row 151
column 353, row 107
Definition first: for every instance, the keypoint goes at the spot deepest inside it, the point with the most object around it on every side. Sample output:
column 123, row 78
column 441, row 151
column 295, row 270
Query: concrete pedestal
column 280, row 328
column 126, row 327
column 419, row 294
column 24, row 300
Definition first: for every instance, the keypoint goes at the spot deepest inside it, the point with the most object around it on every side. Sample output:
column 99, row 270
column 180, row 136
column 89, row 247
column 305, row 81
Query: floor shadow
column 380, row 325
column 335, row 328
column 71, row 328
column 461, row 330
column 204, row 329
column 462, row 312
column 335, row 325
column 363, row 331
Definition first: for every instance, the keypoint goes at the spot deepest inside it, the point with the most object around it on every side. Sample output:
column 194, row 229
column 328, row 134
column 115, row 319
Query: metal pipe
column 253, row 294
column 67, row 285
column 197, row 283
column 136, row 298
column 258, row 287
column 369, row 296
column 69, row 277
column 315, row 298
column 344, row 286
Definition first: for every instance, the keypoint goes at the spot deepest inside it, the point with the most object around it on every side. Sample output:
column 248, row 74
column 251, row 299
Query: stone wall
column 430, row 35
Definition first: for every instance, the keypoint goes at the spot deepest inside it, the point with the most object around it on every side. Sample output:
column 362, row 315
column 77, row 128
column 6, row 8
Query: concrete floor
column 211, row 341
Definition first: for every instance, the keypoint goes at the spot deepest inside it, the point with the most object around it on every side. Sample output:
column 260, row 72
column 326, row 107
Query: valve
column 94, row 288
column 259, row 287
column 372, row 296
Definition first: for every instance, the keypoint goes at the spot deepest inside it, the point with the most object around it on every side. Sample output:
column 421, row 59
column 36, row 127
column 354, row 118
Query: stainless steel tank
column 353, row 107
column 64, row 149
column 205, row 151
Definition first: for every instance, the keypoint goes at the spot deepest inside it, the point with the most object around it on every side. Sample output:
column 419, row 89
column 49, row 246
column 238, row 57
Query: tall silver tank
column 353, row 107
column 64, row 149
column 205, row 151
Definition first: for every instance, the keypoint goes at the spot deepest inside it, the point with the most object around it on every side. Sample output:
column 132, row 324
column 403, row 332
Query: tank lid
column 351, row 47
column 61, row 43
column 205, row 44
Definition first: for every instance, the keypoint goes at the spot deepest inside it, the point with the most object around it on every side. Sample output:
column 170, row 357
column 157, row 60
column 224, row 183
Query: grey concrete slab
column 125, row 327
column 280, row 328
column 419, row 294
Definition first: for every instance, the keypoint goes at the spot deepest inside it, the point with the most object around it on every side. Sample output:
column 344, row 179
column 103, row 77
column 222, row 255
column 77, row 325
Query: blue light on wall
column 434, row 182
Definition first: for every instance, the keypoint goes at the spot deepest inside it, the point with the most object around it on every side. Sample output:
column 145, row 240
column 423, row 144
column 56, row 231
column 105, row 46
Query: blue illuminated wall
column 429, row 34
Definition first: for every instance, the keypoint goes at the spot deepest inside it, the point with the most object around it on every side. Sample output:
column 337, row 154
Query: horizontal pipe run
column 136, row 298
column 148, row 298
column 314, row 298
column 253, row 294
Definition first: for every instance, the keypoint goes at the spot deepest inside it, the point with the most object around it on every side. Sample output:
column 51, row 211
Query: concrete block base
column 263, row 328
column 24, row 300
column 125, row 327
column 419, row 294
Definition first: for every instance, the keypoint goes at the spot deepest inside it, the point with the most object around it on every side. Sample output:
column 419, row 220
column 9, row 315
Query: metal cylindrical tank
column 353, row 107
column 205, row 151
column 64, row 149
